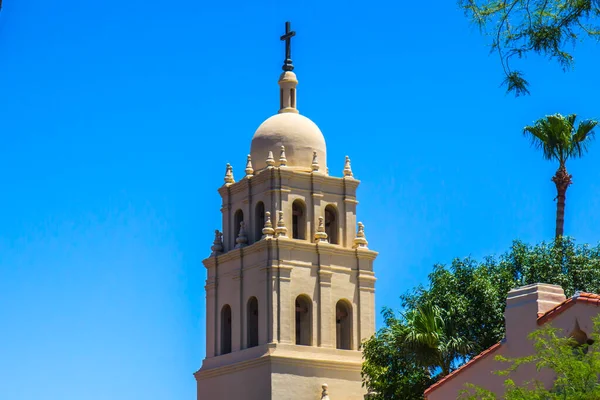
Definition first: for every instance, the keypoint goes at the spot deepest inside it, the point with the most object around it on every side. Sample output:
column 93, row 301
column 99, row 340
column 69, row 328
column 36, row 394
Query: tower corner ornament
column 287, row 37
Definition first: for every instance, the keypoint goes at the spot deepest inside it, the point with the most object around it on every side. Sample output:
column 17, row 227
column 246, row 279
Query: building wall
column 283, row 372
column 480, row 372
column 276, row 271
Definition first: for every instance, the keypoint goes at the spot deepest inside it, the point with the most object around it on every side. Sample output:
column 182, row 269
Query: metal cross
column 287, row 64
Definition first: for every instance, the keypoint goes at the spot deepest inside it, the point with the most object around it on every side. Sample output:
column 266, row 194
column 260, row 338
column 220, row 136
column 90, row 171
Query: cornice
column 289, row 173
column 316, row 357
column 290, row 244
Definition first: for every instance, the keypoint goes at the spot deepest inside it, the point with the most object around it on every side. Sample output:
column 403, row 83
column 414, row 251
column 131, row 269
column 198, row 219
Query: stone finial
column 281, row 230
column 347, row 167
column 249, row 169
column 242, row 239
column 229, row 174
column 360, row 240
column 325, row 392
column 217, row 247
column 320, row 234
column 315, row 162
column 268, row 230
column 282, row 159
column 270, row 160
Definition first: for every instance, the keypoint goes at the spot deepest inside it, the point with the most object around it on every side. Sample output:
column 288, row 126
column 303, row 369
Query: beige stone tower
column 290, row 282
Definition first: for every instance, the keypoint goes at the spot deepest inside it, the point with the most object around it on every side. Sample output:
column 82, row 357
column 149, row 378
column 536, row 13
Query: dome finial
column 287, row 64
column 287, row 80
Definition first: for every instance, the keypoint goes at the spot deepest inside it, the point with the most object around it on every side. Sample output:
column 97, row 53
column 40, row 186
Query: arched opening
column 303, row 307
column 298, row 220
column 343, row 325
column 238, row 217
column 259, row 218
column 226, row 329
column 331, row 224
column 581, row 341
column 252, row 322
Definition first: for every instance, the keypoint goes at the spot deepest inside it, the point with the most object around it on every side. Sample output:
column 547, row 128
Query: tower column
column 326, row 319
column 287, row 309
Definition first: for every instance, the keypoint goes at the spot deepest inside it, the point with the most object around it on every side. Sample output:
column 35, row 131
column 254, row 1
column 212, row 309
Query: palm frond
column 557, row 137
column 582, row 137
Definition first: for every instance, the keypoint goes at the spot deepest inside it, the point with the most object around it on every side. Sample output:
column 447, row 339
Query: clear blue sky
column 117, row 119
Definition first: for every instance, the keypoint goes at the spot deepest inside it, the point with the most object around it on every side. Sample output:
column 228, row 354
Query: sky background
column 117, row 119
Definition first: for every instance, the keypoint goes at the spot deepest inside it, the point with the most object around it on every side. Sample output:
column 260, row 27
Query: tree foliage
column 391, row 370
column 543, row 27
column 576, row 368
column 560, row 138
column 432, row 336
column 470, row 296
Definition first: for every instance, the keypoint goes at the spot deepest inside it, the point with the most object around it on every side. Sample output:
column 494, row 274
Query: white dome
column 300, row 136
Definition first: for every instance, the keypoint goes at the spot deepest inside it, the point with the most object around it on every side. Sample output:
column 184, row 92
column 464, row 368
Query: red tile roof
column 470, row 363
column 580, row 297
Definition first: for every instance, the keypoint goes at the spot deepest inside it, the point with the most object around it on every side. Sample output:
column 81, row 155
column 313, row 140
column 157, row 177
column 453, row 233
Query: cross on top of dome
column 287, row 64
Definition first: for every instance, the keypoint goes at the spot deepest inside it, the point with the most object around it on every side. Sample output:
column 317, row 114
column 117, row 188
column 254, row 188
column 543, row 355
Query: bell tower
column 290, row 284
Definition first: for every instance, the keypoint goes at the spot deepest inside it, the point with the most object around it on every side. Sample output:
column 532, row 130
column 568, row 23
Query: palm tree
column 434, row 338
column 560, row 140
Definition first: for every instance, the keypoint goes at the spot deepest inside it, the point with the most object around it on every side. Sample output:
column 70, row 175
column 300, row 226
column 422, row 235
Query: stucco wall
column 480, row 372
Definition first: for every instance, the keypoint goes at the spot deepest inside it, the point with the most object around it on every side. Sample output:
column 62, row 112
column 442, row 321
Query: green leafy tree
column 434, row 339
column 560, row 139
column 472, row 295
column 543, row 27
column 575, row 365
column 391, row 371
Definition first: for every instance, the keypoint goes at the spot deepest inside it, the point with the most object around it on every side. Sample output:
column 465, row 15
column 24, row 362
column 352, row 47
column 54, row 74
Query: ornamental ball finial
column 242, row 239
column 249, row 169
column 347, row 168
column 217, row 247
column 270, row 160
column 325, row 392
column 282, row 159
column 360, row 241
column 315, row 162
column 229, row 174
column 320, row 234
column 281, row 230
column 268, row 230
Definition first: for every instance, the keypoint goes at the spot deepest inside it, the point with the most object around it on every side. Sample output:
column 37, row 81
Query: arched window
column 259, row 220
column 252, row 322
column 298, row 220
column 581, row 341
column 303, row 306
column 226, row 329
column 237, row 220
column 343, row 325
column 331, row 224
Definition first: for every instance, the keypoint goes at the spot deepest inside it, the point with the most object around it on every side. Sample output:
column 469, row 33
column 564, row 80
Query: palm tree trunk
column 562, row 180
